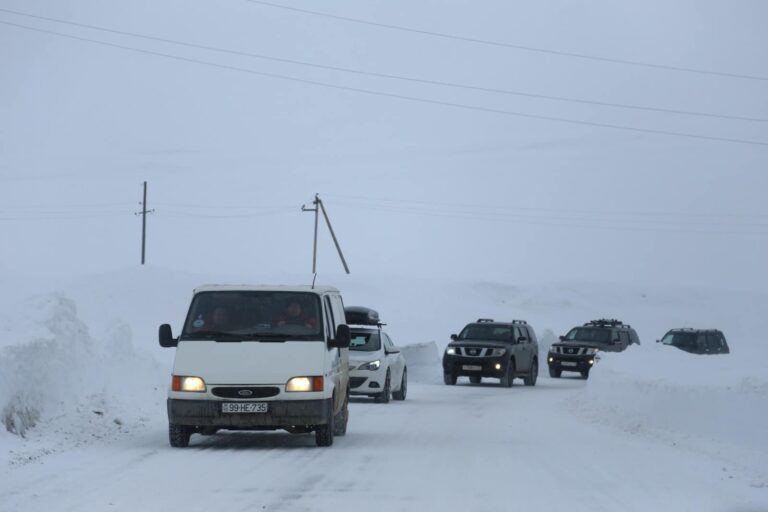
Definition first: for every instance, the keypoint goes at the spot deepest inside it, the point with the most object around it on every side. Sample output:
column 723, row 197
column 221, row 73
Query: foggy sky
column 412, row 188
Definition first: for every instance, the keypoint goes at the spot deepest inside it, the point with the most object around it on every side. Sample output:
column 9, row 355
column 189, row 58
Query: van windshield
column 254, row 315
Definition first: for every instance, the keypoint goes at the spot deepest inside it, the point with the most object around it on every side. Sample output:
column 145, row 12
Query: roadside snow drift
column 56, row 376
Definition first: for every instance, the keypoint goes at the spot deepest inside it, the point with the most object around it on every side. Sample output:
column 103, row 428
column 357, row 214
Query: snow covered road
column 444, row 448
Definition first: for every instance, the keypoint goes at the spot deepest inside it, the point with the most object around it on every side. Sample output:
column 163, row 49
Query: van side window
column 330, row 329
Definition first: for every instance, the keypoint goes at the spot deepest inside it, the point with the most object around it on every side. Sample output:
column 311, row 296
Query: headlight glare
column 189, row 384
column 451, row 351
column 372, row 366
column 304, row 384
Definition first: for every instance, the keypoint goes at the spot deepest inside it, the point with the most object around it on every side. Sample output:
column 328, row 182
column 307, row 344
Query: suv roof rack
column 484, row 320
column 519, row 322
column 606, row 322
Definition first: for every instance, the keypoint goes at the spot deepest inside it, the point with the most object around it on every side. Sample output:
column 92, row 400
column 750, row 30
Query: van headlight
column 372, row 366
column 191, row 384
column 305, row 384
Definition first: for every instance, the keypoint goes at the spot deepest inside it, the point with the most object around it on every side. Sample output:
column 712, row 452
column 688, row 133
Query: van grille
column 243, row 392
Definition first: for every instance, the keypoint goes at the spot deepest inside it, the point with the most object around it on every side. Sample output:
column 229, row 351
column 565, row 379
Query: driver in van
column 294, row 315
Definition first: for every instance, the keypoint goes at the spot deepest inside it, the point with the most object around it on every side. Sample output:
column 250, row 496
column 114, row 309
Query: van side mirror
column 343, row 337
column 165, row 336
column 454, row 337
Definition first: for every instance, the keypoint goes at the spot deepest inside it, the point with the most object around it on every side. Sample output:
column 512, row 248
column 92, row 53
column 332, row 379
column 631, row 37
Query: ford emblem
column 245, row 392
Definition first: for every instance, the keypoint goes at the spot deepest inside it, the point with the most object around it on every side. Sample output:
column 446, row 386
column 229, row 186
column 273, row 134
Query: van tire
column 341, row 419
column 179, row 435
column 324, row 433
column 400, row 393
column 384, row 396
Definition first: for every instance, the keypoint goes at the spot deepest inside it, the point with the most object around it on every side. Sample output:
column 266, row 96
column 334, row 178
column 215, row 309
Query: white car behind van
column 376, row 367
column 260, row 358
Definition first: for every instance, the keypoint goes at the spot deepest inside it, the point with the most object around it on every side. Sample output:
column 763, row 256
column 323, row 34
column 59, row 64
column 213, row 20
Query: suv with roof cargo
column 697, row 341
column 490, row 349
column 577, row 350
column 260, row 358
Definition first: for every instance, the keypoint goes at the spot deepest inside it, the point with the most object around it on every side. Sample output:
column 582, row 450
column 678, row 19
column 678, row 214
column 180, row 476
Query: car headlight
column 372, row 366
column 497, row 352
column 451, row 351
column 191, row 384
column 305, row 384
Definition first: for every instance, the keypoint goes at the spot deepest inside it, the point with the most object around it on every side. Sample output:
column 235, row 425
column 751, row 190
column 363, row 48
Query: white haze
column 412, row 188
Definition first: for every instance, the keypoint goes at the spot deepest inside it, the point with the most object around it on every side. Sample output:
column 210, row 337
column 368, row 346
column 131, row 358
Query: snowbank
column 423, row 361
column 55, row 375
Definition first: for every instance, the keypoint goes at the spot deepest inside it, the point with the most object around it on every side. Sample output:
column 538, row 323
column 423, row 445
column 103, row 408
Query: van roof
column 264, row 288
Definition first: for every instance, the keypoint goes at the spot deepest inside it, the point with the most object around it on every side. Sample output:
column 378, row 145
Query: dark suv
column 578, row 349
column 500, row 350
column 697, row 341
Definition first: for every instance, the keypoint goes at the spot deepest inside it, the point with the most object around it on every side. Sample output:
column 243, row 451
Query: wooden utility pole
column 318, row 207
column 143, row 214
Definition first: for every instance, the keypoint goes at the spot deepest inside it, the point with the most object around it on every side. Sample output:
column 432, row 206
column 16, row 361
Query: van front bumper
column 280, row 413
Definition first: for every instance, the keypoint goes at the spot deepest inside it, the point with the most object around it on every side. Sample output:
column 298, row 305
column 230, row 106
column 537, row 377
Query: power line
column 555, row 222
column 487, row 207
column 510, row 45
column 393, row 95
column 389, row 75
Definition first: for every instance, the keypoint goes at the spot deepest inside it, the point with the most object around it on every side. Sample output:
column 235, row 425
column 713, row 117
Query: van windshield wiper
column 211, row 334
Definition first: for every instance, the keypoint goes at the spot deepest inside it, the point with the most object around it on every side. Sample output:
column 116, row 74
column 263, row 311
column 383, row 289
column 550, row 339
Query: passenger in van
column 294, row 315
column 219, row 321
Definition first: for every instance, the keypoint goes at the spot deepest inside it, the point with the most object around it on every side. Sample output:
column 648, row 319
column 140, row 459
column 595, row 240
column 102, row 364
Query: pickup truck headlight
column 498, row 352
column 184, row 383
column 372, row 366
column 592, row 351
column 451, row 351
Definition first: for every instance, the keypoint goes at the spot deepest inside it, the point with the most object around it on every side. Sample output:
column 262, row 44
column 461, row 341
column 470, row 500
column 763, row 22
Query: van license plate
column 472, row 368
column 244, row 407
column 567, row 363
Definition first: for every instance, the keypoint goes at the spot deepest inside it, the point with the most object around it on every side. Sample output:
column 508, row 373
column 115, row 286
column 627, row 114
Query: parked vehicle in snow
column 260, row 358
column 376, row 367
column 697, row 341
column 500, row 350
column 577, row 350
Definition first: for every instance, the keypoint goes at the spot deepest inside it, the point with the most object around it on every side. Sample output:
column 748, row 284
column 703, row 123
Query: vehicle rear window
column 254, row 314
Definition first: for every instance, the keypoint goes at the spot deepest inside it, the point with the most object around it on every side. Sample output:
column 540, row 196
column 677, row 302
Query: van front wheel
column 341, row 419
column 179, row 435
column 324, row 433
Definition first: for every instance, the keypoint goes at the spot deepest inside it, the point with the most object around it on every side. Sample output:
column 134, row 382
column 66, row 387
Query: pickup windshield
column 488, row 332
column 254, row 315
column 589, row 334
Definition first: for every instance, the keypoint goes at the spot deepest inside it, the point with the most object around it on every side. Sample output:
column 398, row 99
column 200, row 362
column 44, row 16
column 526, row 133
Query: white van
column 260, row 358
